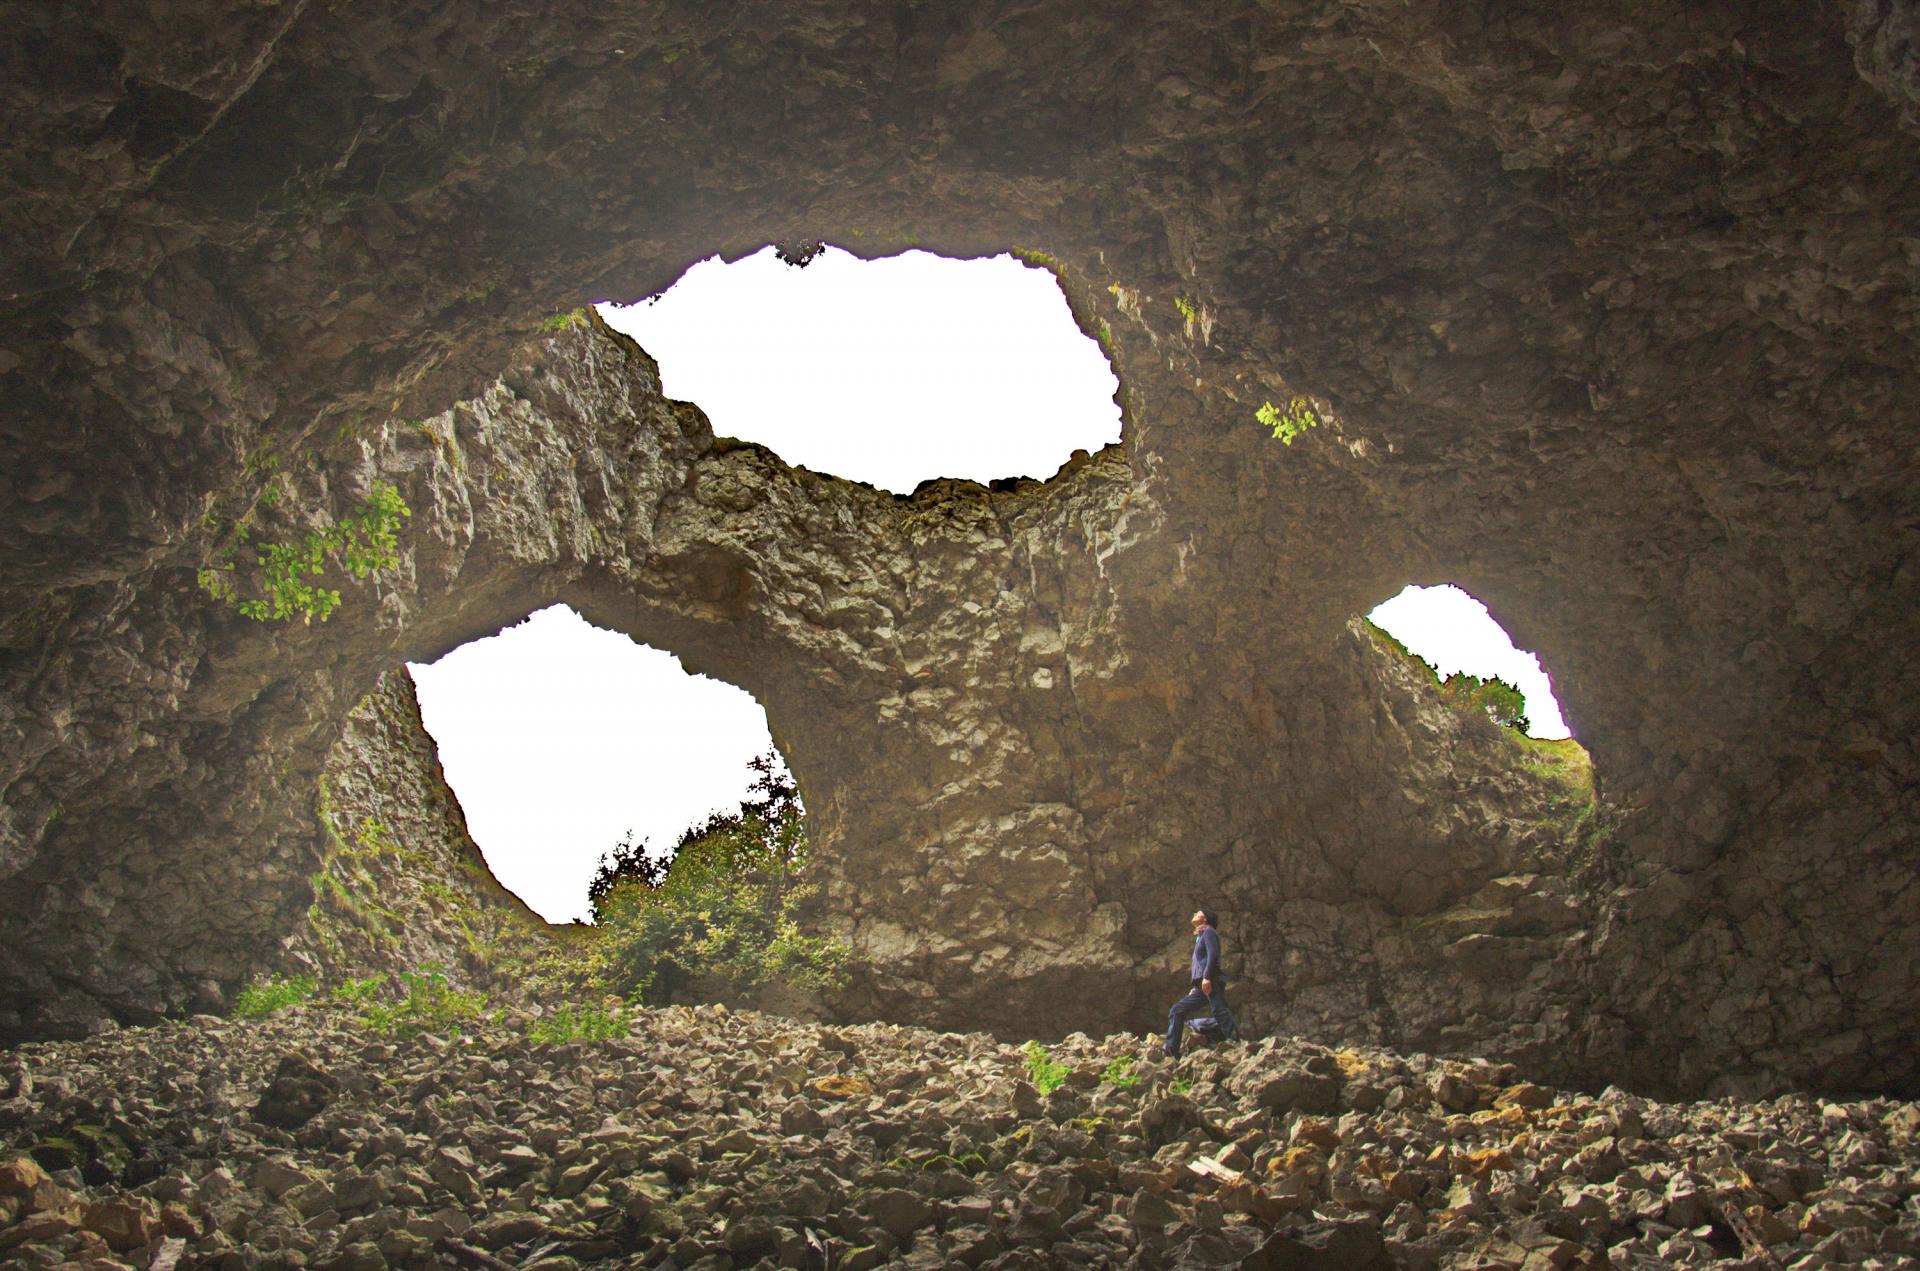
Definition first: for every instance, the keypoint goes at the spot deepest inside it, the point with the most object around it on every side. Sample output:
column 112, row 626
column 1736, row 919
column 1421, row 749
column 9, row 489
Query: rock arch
column 1494, row 254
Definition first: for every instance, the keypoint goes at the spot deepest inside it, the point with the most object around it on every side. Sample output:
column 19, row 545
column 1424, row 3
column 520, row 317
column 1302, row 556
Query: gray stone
column 299, row 1091
column 897, row 1211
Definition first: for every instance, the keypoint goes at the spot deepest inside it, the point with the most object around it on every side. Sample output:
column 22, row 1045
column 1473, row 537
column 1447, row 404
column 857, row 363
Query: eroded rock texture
column 401, row 886
column 1612, row 312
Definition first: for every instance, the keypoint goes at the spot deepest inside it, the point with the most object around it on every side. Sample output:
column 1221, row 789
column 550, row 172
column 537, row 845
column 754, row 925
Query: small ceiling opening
column 1454, row 633
column 561, row 739
column 892, row 371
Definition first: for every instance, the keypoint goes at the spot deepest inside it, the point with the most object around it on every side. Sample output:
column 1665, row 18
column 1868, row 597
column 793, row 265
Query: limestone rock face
column 1610, row 315
column 401, row 887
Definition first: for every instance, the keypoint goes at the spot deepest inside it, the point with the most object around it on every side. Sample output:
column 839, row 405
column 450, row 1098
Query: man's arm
column 1210, row 947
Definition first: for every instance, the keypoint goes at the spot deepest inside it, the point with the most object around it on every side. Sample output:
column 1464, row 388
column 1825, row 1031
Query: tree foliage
column 719, row 914
column 1503, row 702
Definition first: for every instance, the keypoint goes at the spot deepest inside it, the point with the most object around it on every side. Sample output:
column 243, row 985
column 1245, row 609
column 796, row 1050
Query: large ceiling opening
column 561, row 738
column 891, row 371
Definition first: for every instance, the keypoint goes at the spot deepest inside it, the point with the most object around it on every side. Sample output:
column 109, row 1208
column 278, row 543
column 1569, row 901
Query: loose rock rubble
column 716, row 1139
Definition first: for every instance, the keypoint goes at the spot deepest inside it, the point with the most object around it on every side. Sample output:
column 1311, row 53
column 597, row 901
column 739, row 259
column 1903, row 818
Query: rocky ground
column 715, row 1139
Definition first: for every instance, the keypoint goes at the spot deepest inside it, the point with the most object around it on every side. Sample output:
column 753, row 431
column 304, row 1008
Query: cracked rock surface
column 715, row 1139
column 1609, row 315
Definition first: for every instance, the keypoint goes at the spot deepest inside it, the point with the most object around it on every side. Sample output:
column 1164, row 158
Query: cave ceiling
column 1608, row 313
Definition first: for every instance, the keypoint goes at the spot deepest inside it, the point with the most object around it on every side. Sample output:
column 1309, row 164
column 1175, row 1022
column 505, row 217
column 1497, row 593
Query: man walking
column 1209, row 989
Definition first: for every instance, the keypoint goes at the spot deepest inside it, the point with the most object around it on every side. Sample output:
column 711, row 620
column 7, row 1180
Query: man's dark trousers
column 1192, row 1004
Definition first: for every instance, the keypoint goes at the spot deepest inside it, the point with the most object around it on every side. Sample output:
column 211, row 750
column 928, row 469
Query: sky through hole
column 1452, row 630
column 558, row 736
column 887, row 371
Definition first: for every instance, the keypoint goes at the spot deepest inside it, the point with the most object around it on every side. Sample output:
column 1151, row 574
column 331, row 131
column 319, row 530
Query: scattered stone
column 123, row 1224
column 677, row 1148
column 298, row 1092
column 897, row 1211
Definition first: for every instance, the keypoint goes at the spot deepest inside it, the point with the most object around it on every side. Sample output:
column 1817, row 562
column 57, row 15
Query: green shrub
column 559, row 322
column 723, row 909
column 364, row 542
column 1180, row 1085
column 1502, row 702
column 1045, row 1072
column 430, row 1006
column 1288, row 424
column 1120, row 1073
column 357, row 992
column 264, row 997
column 570, row 1023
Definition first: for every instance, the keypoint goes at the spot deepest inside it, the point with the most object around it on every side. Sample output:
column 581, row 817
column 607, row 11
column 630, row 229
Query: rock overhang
column 1662, row 285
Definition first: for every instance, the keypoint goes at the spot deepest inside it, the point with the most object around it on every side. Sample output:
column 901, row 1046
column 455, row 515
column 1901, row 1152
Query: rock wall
column 401, row 887
column 1610, row 315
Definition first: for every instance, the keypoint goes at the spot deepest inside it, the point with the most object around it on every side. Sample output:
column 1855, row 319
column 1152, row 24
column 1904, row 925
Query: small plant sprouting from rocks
column 567, row 321
column 1180, row 1085
column 430, row 1006
column 1120, row 1073
column 1289, row 424
column 1187, row 312
column 569, row 1023
column 363, row 543
column 264, row 997
column 1045, row 1072
column 357, row 992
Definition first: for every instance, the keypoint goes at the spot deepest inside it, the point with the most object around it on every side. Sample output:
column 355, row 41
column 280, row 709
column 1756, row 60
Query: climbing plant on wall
column 1288, row 424
column 286, row 580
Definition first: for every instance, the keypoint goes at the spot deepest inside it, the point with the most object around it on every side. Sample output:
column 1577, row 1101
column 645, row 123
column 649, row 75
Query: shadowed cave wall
column 1611, row 312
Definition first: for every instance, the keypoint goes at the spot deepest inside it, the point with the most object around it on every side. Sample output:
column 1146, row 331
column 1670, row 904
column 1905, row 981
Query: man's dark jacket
column 1206, row 957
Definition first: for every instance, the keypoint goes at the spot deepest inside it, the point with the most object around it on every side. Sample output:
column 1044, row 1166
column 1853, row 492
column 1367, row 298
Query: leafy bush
column 364, row 542
column 570, row 1023
column 430, row 1006
column 556, row 323
column 264, row 997
column 1502, row 702
column 1120, row 1073
column 1288, row 424
column 720, row 915
column 357, row 992
column 1045, row 1072
column 1180, row 1085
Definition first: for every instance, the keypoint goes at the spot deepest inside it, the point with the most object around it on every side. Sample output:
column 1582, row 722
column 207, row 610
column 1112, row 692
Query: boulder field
column 708, row 1138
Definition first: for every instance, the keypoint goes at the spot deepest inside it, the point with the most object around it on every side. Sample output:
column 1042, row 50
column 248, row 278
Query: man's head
column 1202, row 918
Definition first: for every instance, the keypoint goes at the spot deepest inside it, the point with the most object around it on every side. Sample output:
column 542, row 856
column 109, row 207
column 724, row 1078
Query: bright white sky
column 886, row 371
column 558, row 737
column 1455, row 632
